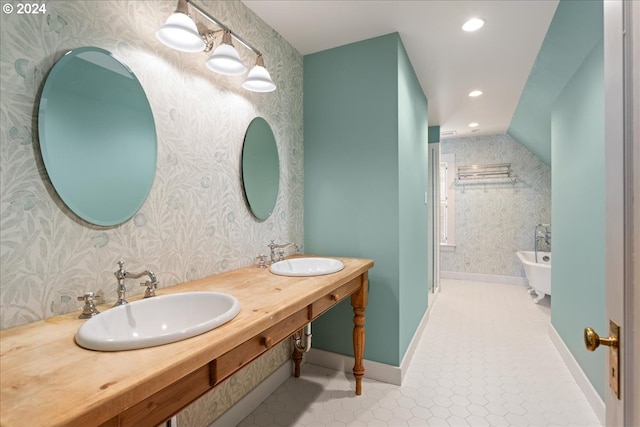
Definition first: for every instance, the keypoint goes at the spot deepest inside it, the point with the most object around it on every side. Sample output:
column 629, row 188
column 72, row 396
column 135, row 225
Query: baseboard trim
column 239, row 411
column 373, row 370
column 491, row 278
column 417, row 336
column 339, row 362
column 594, row 399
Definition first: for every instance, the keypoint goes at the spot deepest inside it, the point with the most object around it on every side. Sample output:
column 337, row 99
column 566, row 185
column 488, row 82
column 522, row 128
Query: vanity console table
column 47, row 379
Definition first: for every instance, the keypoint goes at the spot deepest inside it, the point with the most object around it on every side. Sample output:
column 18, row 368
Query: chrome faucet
column 541, row 235
column 273, row 246
column 121, row 274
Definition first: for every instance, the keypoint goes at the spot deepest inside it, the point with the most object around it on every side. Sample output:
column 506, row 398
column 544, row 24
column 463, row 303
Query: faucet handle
column 88, row 296
column 151, row 285
column 262, row 261
column 89, row 309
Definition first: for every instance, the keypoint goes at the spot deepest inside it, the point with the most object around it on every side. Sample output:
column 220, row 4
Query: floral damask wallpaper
column 194, row 222
column 496, row 218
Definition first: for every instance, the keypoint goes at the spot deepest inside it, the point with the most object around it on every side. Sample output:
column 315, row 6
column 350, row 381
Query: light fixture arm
column 209, row 36
column 182, row 7
column 219, row 24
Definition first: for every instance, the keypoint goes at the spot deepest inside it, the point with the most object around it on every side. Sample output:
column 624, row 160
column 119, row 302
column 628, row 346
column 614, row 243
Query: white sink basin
column 156, row 321
column 306, row 266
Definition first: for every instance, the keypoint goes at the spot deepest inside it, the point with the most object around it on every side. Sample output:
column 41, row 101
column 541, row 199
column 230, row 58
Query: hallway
column 485, row 359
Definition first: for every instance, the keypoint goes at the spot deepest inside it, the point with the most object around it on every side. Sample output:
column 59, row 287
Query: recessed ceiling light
column 475, row 93
column 473, row 24
column 474, row 125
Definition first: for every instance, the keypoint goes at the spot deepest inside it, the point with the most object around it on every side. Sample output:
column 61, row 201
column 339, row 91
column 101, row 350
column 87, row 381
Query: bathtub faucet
column 544, row 234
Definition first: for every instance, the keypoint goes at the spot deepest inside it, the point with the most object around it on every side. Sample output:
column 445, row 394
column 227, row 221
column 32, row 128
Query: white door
column 620, row 238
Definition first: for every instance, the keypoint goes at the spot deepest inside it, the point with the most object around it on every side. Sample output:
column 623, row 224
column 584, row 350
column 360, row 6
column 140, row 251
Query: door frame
column 621, row 151
column 434, row 202
column 632, row 284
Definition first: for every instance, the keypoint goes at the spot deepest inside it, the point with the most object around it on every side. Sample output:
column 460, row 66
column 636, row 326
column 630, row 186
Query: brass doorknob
column 592, row 340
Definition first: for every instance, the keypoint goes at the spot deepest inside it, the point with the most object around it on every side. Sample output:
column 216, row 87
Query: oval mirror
column 260, row 169
column 97, row 136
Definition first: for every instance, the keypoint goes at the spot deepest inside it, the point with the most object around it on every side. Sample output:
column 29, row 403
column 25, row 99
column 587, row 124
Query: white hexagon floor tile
column 485, row 359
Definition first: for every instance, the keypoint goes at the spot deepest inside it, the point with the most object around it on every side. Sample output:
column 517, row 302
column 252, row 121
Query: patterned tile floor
column 485, row 359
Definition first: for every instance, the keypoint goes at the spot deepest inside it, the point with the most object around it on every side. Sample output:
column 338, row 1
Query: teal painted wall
column 355, row 142
column 575, row 29
column 413, row 138
column 434, row 134
column 578, row 205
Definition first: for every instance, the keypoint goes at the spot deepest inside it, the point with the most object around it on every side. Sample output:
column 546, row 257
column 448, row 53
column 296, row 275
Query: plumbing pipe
column 298, row 339
column 536, row 238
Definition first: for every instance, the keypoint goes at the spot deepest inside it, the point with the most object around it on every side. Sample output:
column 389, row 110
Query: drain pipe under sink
column 301, row 344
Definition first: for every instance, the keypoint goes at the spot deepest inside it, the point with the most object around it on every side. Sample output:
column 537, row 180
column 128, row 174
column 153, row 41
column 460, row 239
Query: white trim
column 617, row 222
column 594, row 399
column 445, row 247
column 339, row 362
column 239, row 411
column 632, row 312
column 373, row 370
column 417, row 336
column 491, row 278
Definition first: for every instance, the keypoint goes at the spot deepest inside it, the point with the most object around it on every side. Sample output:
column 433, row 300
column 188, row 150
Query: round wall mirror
column 260, row 169
column 97, row 136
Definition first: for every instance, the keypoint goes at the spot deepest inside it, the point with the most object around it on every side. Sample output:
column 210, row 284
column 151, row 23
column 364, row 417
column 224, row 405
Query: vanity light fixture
column 226, row 59
column 180, row 32
column 473, row 24
column 474, row 125
column 258, row 79
column 475, row 93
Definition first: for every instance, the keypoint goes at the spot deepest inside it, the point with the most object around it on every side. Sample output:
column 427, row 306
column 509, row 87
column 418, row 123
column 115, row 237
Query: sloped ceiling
column 448, row 62
column 575, row 29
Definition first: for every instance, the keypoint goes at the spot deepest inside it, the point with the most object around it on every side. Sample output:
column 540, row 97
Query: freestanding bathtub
column 538, row 274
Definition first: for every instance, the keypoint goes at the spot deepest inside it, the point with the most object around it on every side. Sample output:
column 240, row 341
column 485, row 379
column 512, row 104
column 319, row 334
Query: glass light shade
column 259, row 80
column 226, row 60
column 180, row 33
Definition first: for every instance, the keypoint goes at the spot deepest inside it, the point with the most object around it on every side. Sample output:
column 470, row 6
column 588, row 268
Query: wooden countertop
column 46, row 379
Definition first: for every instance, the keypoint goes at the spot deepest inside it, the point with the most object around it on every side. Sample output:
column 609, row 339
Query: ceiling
column 449, row 63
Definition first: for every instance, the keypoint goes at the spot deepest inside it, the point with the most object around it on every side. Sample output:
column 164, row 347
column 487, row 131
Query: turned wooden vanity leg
column 359, row 304
column 297, row 359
